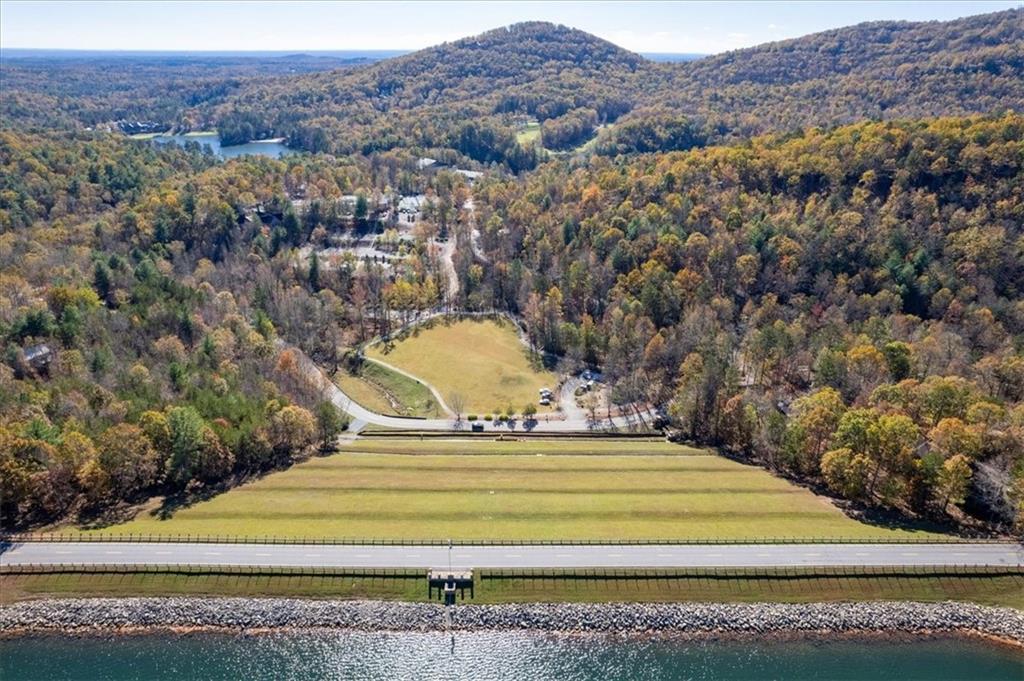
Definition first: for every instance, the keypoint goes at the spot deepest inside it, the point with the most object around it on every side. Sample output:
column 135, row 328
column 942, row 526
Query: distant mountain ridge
column 508, row 94
column 875, row 70
column 572, row 83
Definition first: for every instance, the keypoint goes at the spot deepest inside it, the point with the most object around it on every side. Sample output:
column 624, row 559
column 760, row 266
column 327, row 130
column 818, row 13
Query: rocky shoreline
column 80, row 616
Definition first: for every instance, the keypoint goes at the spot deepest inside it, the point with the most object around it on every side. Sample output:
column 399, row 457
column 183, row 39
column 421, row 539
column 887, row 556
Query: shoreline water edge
column 698, row 620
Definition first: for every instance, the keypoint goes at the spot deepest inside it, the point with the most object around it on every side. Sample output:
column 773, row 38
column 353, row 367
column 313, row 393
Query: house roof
column 412, row 204
column 34, row 352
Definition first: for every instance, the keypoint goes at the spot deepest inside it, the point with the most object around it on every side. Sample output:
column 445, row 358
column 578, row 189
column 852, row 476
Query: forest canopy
column 808, row 254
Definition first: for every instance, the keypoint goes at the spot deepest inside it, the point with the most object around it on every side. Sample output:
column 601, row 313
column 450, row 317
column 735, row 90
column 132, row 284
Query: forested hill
column 473, row 95
column 508, row 55
column 462, row 95
column 882, row 70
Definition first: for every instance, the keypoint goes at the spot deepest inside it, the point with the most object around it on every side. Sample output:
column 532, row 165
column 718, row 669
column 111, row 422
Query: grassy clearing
column 483, row 360
column 987, row 590
column 529, row 134
column 387, row 392
column 549, row 490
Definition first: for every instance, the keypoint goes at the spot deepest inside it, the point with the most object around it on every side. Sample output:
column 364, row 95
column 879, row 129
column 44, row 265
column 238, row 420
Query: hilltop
column 879, row 70
column 461, row 95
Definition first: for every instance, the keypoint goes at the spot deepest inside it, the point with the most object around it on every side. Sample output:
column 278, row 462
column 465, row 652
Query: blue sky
column 704, row 27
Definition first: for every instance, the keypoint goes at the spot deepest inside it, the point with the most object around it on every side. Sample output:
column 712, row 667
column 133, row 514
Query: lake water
column 493, row 655
column 260, row 148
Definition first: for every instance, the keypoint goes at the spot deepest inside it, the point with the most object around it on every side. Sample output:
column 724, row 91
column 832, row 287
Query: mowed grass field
column 482, row 360
column 989, row 590
column 530, row 489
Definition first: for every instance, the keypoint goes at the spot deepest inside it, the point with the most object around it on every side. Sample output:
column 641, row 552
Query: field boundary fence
column 143, row 538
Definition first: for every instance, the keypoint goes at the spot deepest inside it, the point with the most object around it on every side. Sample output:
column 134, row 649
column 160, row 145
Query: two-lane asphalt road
column 527, row 556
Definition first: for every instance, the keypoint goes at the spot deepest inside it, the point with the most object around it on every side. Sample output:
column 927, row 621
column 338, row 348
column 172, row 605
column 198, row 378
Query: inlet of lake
column 495, row 655
column 272, row 148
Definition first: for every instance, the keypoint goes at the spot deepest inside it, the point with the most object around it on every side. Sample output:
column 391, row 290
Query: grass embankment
column 1007, row 590
column 387, row 392
column 482, row 360
column 530, row 489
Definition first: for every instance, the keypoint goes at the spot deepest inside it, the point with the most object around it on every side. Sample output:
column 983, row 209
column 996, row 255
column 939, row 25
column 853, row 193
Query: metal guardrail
column 769, row 572
column 131, row 538
column 213, row 570
column 765, row 572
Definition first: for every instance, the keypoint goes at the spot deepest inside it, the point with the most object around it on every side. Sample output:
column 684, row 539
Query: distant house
column 378, row 211
column 347, row 205
column 424, row 163
column 39, row 356
column 410, row 208
column 470, row 175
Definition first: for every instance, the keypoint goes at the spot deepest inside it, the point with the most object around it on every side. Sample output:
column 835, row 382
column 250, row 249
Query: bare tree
column 590, row 403
column 457, row 403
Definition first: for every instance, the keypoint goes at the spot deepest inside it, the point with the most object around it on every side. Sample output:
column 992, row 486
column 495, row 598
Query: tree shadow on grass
column 170, row 504
column 182, row 500
column 894, row 520
column 883, row 518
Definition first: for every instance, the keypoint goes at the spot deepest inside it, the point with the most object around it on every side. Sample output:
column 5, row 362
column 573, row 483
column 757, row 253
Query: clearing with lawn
column 528, row 489
column 388, row 392
column 484, row 361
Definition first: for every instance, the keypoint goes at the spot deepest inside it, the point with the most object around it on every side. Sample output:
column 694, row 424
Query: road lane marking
column 113, row 553
column 910, row 553
column 212, row 553
column 362, row 555
column 513, row 555
column 262, row 555
column 563, row 555
column 312, row 555
column 162, row 553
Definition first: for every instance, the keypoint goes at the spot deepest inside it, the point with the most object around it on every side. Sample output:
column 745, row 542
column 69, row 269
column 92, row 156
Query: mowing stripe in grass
column 331, row 489
column 497, row 448
column 496, row 514
column 547, row 470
